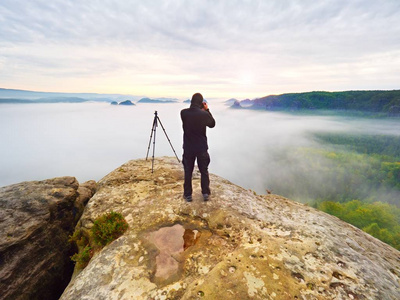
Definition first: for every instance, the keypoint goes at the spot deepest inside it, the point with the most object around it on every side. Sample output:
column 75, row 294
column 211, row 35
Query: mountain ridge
column 379, row 101
column 16, row 94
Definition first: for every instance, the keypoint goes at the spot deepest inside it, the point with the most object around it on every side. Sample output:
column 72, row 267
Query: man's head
column 197, row 100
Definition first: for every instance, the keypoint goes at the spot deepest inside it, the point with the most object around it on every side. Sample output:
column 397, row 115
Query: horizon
column 236, row 49
column 140, row 97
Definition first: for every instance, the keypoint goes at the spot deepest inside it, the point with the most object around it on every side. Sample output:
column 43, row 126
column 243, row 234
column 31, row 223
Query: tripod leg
column 154, row 144
column 168, row 139
column 151, row 135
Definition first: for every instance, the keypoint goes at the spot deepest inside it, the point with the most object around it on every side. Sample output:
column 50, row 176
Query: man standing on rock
column 194, row 121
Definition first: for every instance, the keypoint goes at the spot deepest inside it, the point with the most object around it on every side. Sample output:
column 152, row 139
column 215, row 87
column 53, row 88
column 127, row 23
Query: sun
column 246, row 78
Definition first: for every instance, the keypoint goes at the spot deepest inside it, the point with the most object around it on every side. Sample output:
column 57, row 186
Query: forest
column 378, row 166
column 384, row 102
column 353, row 177
column 379, row 219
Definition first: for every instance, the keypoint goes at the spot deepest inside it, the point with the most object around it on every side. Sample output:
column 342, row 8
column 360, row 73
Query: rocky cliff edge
column 36, row 220
column 239, row 245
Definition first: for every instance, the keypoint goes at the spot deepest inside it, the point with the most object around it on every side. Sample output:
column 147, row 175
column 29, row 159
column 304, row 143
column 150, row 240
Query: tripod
column 153, row 131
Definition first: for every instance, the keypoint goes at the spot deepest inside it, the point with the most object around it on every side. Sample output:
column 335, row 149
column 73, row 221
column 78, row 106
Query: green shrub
column 83, row 257
column 79, row 239
column 108, row 227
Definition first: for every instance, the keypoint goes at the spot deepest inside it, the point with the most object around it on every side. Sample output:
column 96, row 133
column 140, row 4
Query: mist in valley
column 257, row 150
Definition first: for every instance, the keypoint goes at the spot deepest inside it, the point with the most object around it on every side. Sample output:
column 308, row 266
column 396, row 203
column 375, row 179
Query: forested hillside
column 387, row 102
column 354, row 177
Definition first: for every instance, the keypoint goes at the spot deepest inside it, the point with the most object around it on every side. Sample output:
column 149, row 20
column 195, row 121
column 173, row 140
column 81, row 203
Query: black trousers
column 203, row 160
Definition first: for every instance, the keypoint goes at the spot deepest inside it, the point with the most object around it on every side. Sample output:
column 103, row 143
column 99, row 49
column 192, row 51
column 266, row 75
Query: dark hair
column 197, row 99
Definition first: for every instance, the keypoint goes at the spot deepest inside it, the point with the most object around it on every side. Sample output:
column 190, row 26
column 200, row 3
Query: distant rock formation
column 36, row 219
column 126, row 102
column 16, row 101
column 189, row 101
column 158, row 100
column 246, row 102
column 114, row 103
column 61, row 100
column 236, row 104
column 239, row 245
column 230, row 102
column 19, row 95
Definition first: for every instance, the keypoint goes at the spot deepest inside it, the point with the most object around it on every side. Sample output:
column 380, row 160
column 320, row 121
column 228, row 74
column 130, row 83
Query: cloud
column 272, row 41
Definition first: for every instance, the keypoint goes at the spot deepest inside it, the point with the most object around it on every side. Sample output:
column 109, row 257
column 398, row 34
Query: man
column 194, row 121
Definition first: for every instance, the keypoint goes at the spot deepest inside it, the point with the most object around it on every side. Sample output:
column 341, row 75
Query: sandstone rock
column 36, row 219
column 239, row 245
column 85, row 192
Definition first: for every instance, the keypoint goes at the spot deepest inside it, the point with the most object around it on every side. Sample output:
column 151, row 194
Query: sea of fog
column 89, row 140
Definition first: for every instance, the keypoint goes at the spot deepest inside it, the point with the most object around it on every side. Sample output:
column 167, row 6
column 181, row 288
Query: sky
column 223, row 49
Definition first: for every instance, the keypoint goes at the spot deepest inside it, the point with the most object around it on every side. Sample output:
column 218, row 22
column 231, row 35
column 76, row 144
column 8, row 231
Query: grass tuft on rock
column 83, row 257
column 108, row 227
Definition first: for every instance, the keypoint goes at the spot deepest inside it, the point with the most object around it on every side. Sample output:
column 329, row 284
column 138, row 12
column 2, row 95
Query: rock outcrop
column 126, row 102
column 36, row 219
column 239, row 245
column 236, row 104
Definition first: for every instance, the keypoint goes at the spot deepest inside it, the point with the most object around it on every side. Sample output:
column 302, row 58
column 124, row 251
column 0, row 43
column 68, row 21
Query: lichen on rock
column 239, row 245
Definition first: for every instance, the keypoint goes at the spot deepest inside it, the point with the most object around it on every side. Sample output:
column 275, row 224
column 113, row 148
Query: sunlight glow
column 246, row 78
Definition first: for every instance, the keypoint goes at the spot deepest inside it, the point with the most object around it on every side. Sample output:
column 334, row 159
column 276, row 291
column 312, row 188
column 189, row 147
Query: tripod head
column 153, row 130
column 155, row 120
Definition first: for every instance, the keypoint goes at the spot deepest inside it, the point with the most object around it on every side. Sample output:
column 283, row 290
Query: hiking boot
column 188, row 198
column 206, row 197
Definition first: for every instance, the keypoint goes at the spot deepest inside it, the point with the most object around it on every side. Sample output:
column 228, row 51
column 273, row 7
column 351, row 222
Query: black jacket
column 194, row 122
